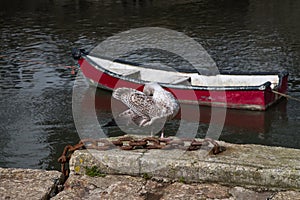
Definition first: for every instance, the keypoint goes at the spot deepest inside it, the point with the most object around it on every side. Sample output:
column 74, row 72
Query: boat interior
column 194, row 79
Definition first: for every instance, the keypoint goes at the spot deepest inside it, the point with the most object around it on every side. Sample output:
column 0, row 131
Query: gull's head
column 151, row 87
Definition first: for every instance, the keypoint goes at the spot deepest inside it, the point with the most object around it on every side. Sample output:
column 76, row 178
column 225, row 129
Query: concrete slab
column 28, row 183
column 119, row 187
column 242, row 165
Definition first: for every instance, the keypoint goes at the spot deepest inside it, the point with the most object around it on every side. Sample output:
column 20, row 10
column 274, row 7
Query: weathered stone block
column 28, row 183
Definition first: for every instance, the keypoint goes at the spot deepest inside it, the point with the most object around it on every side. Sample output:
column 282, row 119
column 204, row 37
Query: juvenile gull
column 148, row 108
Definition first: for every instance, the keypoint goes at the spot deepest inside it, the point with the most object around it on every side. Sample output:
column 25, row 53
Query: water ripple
column 37, row 35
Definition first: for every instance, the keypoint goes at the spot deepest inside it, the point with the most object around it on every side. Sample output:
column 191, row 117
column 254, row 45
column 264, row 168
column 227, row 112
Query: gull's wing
column 128, row 116
column 137, row 101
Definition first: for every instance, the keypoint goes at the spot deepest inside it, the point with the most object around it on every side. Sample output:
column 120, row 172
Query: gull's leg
column 162, row 133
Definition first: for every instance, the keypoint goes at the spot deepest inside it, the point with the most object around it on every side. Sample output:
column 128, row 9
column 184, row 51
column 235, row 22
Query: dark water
column 36, row 36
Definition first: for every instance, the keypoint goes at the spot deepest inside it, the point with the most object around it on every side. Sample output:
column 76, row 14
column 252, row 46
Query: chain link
column 130, row 143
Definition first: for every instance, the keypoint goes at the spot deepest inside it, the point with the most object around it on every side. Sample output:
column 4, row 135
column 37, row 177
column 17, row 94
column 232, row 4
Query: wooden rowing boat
column 252, row 91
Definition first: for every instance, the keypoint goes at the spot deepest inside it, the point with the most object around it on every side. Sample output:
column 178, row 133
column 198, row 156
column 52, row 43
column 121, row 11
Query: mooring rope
column 286, row 96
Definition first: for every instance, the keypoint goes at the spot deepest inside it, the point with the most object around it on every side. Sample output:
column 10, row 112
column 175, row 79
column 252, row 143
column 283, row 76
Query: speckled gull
column 146, row 108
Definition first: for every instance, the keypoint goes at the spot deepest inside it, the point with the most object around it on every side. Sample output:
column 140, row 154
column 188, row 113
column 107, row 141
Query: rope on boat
column 286, row 96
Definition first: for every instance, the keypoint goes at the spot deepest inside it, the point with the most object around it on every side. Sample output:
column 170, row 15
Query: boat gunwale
column 261, row 87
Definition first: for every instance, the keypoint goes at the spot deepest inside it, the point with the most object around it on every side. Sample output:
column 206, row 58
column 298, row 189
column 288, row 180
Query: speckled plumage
column 144, row 108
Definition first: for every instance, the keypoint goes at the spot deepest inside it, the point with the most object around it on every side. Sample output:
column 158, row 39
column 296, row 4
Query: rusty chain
column 66, row 155
column 130, row 143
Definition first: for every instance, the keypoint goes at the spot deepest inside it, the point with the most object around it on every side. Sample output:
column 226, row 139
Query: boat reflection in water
column 236, row 121
column 254, row 121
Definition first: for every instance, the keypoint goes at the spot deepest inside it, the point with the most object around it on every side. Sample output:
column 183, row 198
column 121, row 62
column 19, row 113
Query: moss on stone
column 182, row 179
column 94, row 171
column 146, row 176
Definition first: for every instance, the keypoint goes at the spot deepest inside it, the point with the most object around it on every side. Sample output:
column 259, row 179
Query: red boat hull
column 251, row 98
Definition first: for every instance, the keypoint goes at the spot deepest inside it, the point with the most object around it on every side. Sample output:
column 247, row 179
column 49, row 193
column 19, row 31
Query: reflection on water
column 36, row 89
column 239, row 126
